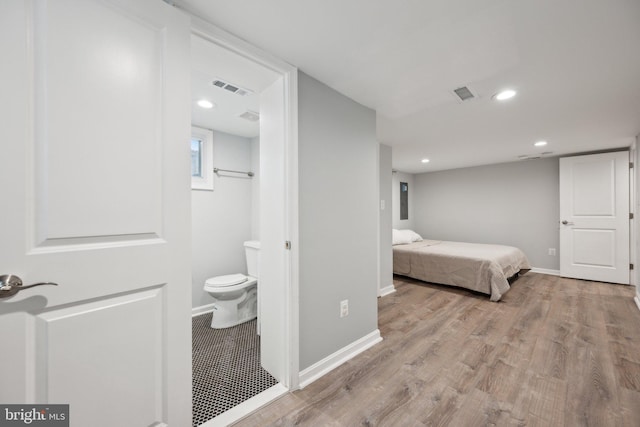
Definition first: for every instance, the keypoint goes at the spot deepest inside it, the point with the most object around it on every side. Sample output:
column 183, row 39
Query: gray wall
column 386, row 254
column 513, row 204
column 221, row 219
column 338, row 220
column 399, row 177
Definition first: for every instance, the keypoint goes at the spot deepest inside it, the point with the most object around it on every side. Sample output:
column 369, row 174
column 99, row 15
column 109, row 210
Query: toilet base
column 228, row 313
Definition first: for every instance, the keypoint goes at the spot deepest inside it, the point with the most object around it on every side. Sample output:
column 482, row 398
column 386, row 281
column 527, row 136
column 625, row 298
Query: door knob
column 565, row 222
column 11, row 284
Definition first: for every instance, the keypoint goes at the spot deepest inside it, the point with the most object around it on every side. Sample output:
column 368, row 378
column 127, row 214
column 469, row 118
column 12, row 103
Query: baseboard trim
column 386, row 290
column 545, row 271
column 197, row 311
column 637, row 300
column 317, row 370
column 247, row 407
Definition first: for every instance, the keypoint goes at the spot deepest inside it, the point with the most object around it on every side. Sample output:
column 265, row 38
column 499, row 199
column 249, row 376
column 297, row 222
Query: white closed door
column 594, row 217
column 95, row 189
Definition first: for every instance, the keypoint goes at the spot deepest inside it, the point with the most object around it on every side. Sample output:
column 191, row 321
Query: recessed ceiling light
column 206, row 104
column 505, row 94
column 540, row 143
column 425, row 160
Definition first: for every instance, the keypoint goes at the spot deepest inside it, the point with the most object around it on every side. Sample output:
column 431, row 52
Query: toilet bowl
column 235, row 295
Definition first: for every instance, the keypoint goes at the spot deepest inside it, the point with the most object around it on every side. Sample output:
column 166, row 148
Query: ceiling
column 211, row 62
column 574, row 63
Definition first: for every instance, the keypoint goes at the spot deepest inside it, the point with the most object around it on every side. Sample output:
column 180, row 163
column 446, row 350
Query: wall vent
column 252, row 116
column 232, row 87
column 464, row 93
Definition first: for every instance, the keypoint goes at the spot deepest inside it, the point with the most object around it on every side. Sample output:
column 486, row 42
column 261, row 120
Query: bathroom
column 225, row 208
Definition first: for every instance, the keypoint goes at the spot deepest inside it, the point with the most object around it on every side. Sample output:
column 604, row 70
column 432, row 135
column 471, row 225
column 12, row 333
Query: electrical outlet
column 552, row 251
column 344, row 308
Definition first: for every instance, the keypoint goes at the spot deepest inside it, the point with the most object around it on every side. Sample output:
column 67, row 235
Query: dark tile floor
column 226, row 367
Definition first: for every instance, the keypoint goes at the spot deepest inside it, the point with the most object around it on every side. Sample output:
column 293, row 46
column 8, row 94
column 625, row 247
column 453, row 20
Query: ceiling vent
column 232, row 88
column 464, row 93
column 252, row 116
column 534, row 156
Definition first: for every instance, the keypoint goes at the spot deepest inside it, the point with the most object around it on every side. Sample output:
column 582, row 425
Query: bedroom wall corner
column 397, row 178
column 515, row 204
column 338, row 220
column 385, row 283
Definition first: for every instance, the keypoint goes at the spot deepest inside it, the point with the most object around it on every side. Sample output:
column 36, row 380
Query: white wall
column 338, row 220
column 397, row 178
column 513, row 204
column 222, row 218
column 386, row 253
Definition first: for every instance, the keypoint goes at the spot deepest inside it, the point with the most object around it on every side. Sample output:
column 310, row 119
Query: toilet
column 236, row 295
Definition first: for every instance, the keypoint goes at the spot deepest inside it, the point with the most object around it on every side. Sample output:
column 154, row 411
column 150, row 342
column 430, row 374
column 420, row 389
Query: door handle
column 565, row 222
column 11, row 284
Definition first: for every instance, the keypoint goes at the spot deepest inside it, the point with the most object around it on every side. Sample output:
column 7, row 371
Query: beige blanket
column 479, row 267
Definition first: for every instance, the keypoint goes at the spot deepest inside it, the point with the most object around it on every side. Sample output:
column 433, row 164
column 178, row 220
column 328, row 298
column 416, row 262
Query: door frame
column 633, row 225
column 289, row 73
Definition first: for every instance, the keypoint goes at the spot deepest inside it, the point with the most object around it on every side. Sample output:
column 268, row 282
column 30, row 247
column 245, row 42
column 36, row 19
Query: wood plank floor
column 553, row 352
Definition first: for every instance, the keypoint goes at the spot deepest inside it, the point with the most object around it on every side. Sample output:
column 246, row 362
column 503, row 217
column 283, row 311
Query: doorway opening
column 231, row 92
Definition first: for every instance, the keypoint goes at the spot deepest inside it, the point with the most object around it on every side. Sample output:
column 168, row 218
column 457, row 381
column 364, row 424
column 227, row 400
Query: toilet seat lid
column 228, row 280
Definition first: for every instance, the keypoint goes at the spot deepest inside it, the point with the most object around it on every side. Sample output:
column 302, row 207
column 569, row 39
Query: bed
column 478, row 267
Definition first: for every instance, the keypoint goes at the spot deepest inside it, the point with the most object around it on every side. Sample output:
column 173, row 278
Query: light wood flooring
column 553, row 352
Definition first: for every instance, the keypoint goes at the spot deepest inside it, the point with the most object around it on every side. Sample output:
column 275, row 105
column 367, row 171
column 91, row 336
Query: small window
column 196, row 157
column 201, row 159
column 404, row 200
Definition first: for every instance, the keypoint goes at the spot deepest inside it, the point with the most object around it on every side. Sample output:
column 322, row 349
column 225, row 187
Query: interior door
column 274, row 258
column 594, row 217
column 95, row 184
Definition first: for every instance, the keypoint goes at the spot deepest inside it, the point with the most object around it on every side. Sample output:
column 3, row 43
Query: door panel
column 593, row 186
column 97, row 173
column 594, row 214
column 88, row 78
column 99, row 343
column 586, row 239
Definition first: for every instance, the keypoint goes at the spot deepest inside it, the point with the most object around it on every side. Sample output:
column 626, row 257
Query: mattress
column 478, row 267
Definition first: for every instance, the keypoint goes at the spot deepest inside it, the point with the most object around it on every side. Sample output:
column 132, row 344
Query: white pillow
column 404, row 237
column 401, row 237
column 415, row 237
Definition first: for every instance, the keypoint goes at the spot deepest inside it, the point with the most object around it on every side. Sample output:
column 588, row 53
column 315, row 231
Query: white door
column 274, row 258
column 594, row 217
column 95, row 189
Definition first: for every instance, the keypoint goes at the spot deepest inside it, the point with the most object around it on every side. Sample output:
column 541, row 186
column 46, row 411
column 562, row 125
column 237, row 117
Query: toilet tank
column 252, row 252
